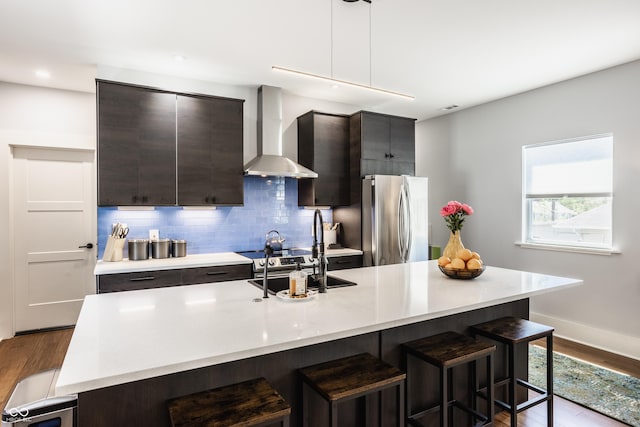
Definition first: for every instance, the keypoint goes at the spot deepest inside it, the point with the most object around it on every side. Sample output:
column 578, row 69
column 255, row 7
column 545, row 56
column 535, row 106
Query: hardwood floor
column 27, row 354
column 24, row 355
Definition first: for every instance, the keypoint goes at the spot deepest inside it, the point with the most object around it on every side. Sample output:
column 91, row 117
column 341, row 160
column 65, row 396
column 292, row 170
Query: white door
column 53, row 192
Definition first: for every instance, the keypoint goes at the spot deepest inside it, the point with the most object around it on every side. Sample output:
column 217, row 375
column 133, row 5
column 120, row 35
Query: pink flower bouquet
column 454, row 213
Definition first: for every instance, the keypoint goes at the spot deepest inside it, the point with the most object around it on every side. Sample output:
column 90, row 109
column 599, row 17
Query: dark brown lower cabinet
column 344, row 262
column 143, row 402
column 176, row 277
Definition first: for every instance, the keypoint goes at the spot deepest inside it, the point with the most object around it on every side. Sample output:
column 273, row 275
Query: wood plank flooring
column 27, row 354
column 24, row 355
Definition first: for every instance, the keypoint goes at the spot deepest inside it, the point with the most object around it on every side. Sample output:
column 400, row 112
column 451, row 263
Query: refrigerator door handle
column 404, row 234
column 401, row 223
column 408, row 231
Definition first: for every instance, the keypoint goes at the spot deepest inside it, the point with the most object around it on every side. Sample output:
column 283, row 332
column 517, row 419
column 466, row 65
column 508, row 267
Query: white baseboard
column 612, row 342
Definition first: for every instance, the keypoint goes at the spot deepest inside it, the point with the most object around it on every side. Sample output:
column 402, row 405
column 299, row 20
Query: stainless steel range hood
column 270, row 161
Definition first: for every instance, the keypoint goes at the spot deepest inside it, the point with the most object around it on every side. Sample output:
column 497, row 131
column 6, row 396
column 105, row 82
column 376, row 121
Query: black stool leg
column 490, row 378
column 333, row 413
column 513, row 383
column 444, row 393
column 401, row 395
column 550, row 380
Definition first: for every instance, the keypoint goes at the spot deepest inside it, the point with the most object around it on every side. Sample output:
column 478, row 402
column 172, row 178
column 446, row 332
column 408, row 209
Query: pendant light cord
column 331, row 38
column 370, row 43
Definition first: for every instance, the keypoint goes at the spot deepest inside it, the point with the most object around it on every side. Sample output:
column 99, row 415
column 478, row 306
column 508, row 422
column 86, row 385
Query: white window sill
column 574, row 249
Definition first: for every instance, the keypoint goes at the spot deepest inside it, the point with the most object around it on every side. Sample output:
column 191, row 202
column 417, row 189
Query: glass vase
column 453, row 245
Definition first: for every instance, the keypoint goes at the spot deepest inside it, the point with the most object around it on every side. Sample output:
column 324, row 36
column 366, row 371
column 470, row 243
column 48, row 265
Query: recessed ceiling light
column 43, row 74
column 179, row 58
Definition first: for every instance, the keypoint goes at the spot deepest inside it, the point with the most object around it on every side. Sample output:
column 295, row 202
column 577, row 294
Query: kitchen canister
column 138, row 249
column 178, row 248
column 160, row 248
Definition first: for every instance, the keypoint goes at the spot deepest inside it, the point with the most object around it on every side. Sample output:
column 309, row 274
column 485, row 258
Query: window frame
column 526, row 217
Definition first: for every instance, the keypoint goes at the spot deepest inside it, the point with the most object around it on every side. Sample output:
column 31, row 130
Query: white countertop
column 129, row 336
column 189, row 261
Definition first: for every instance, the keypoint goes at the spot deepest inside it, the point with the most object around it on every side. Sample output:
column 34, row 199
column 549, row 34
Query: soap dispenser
column 297, row 282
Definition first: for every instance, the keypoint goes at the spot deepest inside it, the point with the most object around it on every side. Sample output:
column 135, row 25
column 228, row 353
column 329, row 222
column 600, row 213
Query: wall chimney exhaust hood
column 270, row 161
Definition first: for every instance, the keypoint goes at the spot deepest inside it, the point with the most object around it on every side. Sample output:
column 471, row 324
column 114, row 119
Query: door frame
column 11, row 206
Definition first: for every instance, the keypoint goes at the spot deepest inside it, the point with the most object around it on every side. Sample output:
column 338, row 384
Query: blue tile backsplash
column 269, row 203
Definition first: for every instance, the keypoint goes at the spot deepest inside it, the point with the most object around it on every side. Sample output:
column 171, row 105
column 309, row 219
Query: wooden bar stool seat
column 354, row 377
column 512, row 331
column 445, row 351
column 250, row 403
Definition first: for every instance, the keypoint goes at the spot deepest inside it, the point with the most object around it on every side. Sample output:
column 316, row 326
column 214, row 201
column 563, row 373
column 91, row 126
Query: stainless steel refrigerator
column 395, row 223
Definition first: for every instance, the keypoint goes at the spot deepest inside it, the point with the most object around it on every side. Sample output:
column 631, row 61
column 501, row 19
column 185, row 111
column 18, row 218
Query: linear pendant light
column 341, row 82
column 333, row 81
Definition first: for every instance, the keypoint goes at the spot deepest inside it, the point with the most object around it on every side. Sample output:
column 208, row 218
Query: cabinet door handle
column 216, row 273
column 391, row 156
column 342, row 262
column 142, row 279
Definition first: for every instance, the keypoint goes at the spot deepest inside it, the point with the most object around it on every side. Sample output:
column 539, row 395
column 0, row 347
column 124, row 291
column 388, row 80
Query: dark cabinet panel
column 210, row 147
column 323, row 146
column 140, row 130
column 176, row 277
column 136, row 146
column 386, row 143
column 344, row 262
column 138, row 280
column 194, row 276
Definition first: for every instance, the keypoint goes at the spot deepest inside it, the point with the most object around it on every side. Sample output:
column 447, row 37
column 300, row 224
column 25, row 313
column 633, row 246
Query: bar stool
column 445, row 351
column 353, row 377
column 511, row 331
column 250, row 403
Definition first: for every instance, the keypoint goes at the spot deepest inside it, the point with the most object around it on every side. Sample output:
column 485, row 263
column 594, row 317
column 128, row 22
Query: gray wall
column 474, row 156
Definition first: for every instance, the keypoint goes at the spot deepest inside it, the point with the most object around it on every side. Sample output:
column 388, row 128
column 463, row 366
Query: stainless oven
column 281, row 263
column 33, row 403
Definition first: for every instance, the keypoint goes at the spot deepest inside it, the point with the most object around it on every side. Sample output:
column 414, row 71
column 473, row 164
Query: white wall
column 42, row 117
column 474, row 156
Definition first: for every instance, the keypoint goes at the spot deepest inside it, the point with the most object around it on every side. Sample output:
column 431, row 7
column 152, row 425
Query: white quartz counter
column 189, row 261
column 129, row 336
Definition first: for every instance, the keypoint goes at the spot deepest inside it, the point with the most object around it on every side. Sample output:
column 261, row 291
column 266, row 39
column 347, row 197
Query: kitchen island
column 132, row 351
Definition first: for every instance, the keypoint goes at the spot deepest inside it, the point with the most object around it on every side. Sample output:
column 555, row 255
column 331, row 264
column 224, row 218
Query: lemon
column 474, row 264
column 464, row 254
column 443, row 261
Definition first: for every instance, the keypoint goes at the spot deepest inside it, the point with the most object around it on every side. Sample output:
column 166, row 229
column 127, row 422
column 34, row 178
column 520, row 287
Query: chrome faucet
column 319, row 255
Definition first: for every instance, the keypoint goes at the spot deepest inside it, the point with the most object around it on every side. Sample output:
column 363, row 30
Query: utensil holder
column 113, row 251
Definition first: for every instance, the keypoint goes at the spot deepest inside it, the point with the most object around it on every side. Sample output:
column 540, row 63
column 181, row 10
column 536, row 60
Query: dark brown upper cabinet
column 386, row 144
column 161, row 148
column 323, row 146
column 210, row 164
column 136, row 146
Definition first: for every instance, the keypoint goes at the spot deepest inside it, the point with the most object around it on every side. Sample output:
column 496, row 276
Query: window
column 567, row 192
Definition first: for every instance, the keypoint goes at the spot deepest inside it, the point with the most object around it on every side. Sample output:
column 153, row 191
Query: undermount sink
column 277, row 284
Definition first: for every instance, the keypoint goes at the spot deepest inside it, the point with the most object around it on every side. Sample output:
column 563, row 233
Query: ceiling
column 443, row 52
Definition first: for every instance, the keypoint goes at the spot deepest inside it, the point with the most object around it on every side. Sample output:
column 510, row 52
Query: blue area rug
column 608, row 392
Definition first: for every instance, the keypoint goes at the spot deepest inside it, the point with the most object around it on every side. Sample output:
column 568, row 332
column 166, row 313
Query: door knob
column 88, row 246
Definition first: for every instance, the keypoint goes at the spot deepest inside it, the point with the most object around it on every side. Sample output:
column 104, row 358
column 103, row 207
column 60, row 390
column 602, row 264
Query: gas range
column 281, row 261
